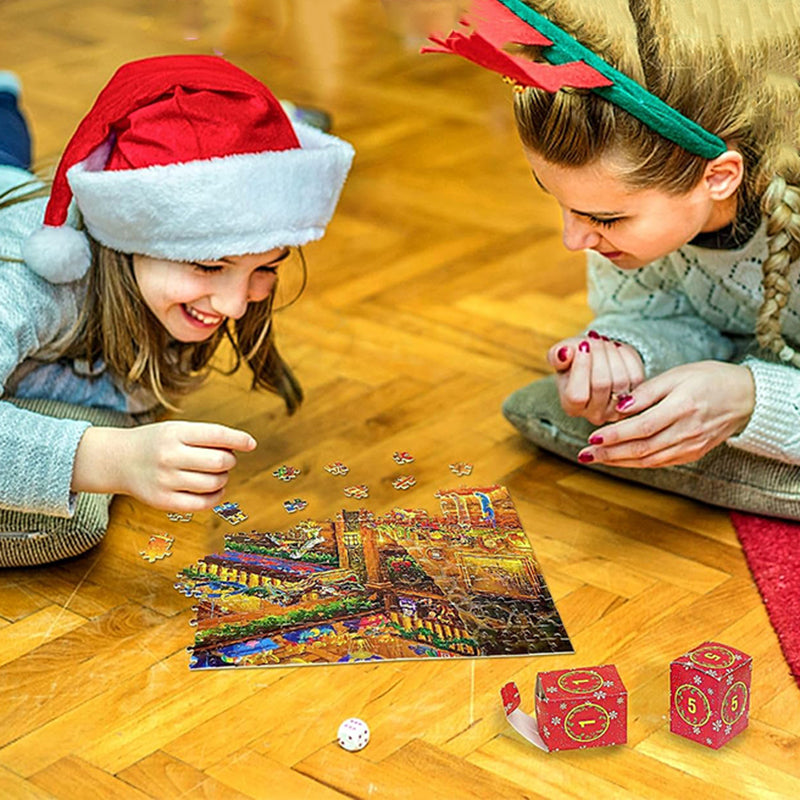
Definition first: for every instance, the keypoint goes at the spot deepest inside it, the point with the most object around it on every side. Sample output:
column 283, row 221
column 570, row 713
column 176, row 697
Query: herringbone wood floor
column 436, row 293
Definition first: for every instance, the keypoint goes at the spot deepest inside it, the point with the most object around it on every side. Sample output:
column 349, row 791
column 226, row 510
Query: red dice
column 710, row 693
column 578, row 708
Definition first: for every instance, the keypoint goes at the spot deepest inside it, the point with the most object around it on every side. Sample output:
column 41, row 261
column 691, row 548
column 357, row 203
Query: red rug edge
column 772, row 549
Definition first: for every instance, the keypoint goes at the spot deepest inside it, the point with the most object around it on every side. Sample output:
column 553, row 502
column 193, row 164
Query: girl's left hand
column 680, row 416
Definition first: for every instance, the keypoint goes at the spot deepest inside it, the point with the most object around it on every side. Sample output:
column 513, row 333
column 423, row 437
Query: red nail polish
column 605, row 338
column 585, row 458
column 624, row 402
column 584, row 347
column 562, row 353
column 595, row 438
column 593, row 335
column 617, row 344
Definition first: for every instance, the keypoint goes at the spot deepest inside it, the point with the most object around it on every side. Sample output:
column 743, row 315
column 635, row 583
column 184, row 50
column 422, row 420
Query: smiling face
column 633, row 227
column 192, row 300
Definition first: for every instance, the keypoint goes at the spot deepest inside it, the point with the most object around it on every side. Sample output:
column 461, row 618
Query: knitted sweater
column 38, row 452
column 699, row 303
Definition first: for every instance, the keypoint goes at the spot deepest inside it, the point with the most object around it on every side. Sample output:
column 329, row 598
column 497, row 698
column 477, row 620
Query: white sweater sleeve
column 774, row 428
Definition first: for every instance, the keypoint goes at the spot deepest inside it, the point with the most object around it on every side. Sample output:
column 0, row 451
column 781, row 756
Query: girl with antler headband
column 668, row 133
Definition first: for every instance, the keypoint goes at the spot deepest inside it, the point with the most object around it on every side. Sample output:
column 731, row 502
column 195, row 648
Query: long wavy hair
column 732, row 67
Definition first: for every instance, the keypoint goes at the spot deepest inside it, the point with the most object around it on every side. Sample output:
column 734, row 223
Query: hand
column 680, row 416
column 175, row 466
column 591, row 374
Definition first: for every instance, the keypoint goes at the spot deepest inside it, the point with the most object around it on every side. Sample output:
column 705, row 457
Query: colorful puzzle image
column 363, row 587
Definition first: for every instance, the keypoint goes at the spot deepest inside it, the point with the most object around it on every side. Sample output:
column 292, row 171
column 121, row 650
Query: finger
column 199, row 482
column 636, row 429
column 577, row 391
column 206, row 459
column 633, row 364
column 659, row 452
column 208, row 434
column 622, row 381
column 560, row 356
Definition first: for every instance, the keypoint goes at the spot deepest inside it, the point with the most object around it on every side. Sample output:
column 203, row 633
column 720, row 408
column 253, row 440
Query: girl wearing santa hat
column 173, row 206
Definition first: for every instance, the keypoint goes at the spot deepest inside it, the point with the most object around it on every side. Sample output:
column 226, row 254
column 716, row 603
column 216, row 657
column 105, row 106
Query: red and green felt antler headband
column 494, row 23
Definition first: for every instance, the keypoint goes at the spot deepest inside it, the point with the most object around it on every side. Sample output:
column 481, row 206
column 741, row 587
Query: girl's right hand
column 592, row 373
column 175, row 465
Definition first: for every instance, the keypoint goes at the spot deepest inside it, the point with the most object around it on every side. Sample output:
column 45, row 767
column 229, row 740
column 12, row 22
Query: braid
column 781, row 206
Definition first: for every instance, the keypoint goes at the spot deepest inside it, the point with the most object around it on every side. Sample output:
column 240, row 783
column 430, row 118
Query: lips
column 207, row 320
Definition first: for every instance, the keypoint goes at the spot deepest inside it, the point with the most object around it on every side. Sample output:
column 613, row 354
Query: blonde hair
column 731, row 68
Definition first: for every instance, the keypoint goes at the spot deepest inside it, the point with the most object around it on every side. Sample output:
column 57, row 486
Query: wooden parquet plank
column 167, row 778
column 439, row 287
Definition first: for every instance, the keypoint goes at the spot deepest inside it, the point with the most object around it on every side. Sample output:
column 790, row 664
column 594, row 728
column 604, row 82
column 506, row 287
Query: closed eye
column 604, row 222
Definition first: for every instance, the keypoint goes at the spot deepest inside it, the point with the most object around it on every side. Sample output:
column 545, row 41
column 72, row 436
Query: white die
column 353, row 734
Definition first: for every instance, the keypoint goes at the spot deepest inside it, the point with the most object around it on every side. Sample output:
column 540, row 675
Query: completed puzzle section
column 363, row 587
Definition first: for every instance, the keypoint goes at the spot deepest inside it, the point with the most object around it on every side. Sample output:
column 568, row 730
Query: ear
column 723, row 175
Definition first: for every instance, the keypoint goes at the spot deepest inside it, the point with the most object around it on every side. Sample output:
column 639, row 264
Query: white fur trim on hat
column 59, row 255
column 207, row 209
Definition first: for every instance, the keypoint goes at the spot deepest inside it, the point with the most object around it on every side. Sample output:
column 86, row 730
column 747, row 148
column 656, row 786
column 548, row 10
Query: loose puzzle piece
column 230, row 512
column 295, row 505
column 337, row 468
column 159, row 546
column 179, row 517
column 404, row 482
column 405, row 584
column 359, row 491
column 286, row 473
column 461, row 468
column 402, row 457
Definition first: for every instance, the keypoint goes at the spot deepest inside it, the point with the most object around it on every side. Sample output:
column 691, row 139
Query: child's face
column 191, row 300
column 631, row 227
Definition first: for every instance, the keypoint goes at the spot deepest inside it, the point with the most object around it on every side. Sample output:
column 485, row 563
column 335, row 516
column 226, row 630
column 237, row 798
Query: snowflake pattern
column 608, row 683
column 729, row 679
column 708, row 740
column 555, row 720
column 696, row 730
column 563, row 706
column 620, row 700
column 717, row 725
column 600, row 695
column 546, row 731
column 727, row 729
column 551, row 689
column 612, row 714
column 697, row 680
column 710, row 691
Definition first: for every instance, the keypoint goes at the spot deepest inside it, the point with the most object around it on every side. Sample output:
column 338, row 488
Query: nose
column 578, row 234
column 232, row 296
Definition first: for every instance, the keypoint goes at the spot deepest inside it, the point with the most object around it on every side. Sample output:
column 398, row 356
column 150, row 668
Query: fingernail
column 584, row 347
column 585, row 458
column 617, row 344
column 624, row 402
column 595, row 438
column 562, row 353
column 605, row 338
column 593, row 335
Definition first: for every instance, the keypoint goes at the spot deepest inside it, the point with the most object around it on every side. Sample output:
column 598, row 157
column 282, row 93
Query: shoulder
column 19, row 219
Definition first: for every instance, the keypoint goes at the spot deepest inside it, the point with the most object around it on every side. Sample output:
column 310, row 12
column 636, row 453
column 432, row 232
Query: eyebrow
column 595, row 214
column 282, row 257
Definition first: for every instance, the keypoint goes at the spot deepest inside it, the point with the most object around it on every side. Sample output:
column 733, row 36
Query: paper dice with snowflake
column 710, row 693
column 579, row 708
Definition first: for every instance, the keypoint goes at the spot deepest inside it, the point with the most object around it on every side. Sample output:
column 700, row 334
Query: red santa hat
column 187, row 158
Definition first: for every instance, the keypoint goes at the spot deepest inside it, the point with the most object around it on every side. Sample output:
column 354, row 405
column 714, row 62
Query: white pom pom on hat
column 58, row 255
column 187, row 158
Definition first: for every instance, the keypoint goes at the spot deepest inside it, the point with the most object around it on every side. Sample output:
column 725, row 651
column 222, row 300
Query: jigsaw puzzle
column 363, row 587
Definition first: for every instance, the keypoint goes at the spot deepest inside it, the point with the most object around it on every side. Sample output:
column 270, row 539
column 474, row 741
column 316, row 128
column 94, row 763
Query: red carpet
column 772, row 548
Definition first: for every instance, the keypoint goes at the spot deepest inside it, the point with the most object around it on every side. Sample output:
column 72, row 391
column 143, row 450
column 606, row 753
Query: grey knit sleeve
column 648, row 309
column 37, row 452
